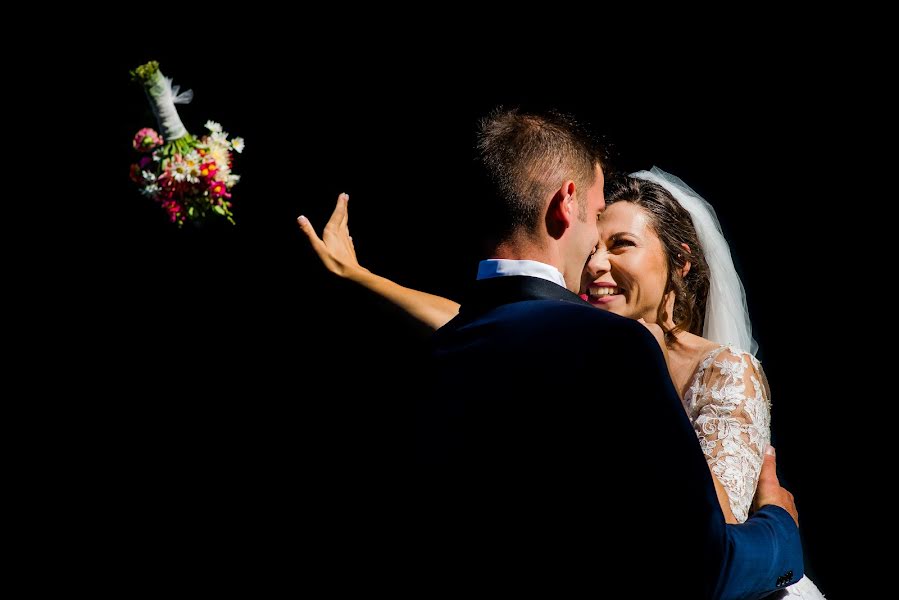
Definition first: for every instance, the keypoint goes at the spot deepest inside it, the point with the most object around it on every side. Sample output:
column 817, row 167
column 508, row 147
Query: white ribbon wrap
column 163, row 97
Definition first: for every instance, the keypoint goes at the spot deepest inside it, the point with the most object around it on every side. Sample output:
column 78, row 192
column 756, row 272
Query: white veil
column 726, row 314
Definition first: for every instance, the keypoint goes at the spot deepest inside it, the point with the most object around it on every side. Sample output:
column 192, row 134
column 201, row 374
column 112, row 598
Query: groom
column 557, row 455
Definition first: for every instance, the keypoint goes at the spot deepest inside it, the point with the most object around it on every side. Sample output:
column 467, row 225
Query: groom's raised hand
column 769, row 490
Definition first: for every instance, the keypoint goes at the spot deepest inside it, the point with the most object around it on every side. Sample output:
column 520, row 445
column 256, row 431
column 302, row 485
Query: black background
column 254, row 394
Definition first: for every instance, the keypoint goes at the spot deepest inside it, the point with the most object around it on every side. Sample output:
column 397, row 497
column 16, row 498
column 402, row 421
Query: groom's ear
column 562, row 209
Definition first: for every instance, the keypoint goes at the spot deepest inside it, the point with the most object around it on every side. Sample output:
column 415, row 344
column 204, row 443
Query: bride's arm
column 733, row 424
column 335, row 250
column 723, row 499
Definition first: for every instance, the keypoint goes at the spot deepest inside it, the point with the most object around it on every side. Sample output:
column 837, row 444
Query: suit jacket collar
column 486, row 294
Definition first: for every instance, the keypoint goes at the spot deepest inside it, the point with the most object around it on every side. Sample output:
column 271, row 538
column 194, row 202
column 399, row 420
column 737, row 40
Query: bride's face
column 628, row 272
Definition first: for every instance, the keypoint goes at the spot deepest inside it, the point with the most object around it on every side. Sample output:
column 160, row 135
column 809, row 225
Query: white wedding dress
column 728, row 404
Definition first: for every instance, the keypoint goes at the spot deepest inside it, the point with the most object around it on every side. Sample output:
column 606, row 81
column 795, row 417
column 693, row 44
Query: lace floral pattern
column 729, row 407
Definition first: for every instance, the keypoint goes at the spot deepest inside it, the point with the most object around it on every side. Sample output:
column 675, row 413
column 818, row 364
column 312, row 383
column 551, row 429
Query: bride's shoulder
column 735, row 354
column 721, row 365
column 710, row 353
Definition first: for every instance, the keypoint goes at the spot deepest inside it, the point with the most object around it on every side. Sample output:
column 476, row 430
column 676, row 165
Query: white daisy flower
column 213, row 126
column 149, row 190
column 179, row 171
column 193, row 173
column 238, row 144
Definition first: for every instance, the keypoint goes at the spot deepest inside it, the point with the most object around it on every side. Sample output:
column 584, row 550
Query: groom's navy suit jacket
column 557, row 457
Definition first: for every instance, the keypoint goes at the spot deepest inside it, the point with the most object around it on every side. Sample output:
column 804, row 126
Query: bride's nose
column 598, row 263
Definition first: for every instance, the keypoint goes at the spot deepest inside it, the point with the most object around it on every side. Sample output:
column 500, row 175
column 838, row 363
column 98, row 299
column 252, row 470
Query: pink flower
column 218, row 190
column 173, row 209
column 209, row 169
column 146, row 140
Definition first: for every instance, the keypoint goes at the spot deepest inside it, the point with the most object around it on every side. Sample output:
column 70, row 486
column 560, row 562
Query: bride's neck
column 684, row 356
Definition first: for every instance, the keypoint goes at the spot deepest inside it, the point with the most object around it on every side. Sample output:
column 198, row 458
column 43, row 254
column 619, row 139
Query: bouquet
column 189, row 176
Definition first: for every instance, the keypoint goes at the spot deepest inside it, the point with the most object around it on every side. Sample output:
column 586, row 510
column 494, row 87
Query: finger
column 769, row 466
column 314, row 240
column 346, row 210
column 338, row 217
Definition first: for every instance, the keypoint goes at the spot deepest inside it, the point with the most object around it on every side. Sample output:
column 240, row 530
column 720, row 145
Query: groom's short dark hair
column 526, row 156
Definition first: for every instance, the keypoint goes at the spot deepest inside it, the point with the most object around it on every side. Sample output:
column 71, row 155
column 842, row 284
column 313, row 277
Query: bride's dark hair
column 672, row 224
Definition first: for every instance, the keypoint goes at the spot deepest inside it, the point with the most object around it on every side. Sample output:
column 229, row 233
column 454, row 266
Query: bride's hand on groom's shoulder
column 335, row 248
column 769, row 490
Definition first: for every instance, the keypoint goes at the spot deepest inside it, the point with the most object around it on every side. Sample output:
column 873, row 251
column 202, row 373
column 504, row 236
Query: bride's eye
column 622, row 243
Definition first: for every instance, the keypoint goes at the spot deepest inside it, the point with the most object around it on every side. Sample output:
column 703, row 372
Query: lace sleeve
column 733, row 422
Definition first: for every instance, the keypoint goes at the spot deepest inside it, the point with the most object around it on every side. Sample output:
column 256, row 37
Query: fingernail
column 347, row 196
column 770, row 450
column 302, row 220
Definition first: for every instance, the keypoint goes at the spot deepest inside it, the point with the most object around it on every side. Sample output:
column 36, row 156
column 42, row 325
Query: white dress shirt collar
column 501, row 267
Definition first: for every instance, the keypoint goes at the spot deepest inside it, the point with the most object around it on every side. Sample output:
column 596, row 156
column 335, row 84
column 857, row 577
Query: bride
column 661, row 259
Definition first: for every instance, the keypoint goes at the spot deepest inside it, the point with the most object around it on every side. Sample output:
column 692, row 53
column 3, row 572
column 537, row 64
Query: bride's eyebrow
column 621, row 234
